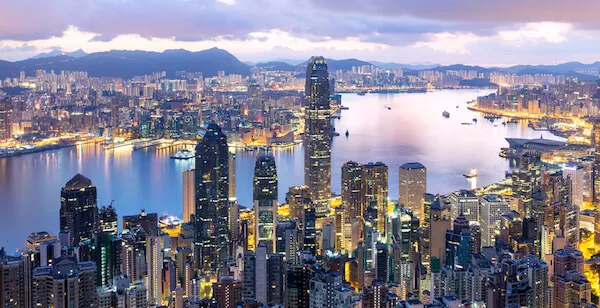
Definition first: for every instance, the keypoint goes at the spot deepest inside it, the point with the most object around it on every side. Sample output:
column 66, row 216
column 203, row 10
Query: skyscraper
column 78, row 209
column 596, row 177
column 352, row 190
column 317, row 135
column 297, row 198
column 212, row 192
column 108, row 220
column 265, row 200
column 492, row 209
column 375, row 179
column 189, row 195
column 5, row 120
column 412, row 186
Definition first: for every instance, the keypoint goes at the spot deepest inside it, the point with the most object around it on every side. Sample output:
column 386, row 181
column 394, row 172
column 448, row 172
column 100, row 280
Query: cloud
column 449, row 42
column 543, row 31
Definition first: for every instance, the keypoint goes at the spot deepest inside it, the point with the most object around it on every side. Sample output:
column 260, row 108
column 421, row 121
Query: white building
column 492, row 209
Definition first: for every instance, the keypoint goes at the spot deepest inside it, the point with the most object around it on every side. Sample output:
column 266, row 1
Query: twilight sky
column 481, row 32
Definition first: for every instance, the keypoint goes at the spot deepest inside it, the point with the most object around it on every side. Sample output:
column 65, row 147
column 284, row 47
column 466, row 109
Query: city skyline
column 464, row 32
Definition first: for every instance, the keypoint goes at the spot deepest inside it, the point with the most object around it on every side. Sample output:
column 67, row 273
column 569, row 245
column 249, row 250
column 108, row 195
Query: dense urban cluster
column 531, row 244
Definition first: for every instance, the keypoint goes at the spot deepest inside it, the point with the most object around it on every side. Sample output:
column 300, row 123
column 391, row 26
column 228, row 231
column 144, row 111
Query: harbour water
column 391, row 128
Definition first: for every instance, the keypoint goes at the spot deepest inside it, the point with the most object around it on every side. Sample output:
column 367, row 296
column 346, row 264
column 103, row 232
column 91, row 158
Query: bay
column 411, row 129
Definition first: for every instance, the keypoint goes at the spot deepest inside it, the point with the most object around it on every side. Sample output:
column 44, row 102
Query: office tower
column 459, row 244
column 75, row 281
column 412, row 186
column 439, row 223
column 317, row 135
column 576, row 173
column 352, row 190
column 297, row 286
column 287, row 239
column 375, row 178
column 15, row 281
column 189, row 195
column 234, row 207
column 42, row 248
column 382, row 264
column 309, row 230
column 375, row 295
column 146, row 221
column 108, row 254
column 108, row 219
column 212, row 192
column 492, row 209
column 464, row 202
column 78, row 210
column 297, row 198
column 275, row 278
column 566, row 222
column 227, row 292
column 265, row 200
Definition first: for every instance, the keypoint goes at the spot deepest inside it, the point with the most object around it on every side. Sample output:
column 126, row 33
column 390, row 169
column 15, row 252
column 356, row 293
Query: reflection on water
column 413, row 130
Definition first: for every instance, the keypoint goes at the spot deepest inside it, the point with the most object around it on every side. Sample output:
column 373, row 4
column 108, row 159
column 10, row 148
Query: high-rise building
column 76, row 282
column 227, row 292
column 297, row 198
column 15, row 281
column 265, row 200
column 108, row 254
column 263, row 276
column 439, row 223
column 412, row 186
column 492, row 209
column 317, row 135
column 297, row 286
column 79, row 210
column 189, row 195
column 146, row 221
column 571, row 289
column 576, row 173
column 464, row 202
column 309, row 229
column 5, row 121
column 352, row 190
column 375, row 178
column 212, row 193
column 234, row 207
column 596, row 176
column 459, row 244
column 108, row 220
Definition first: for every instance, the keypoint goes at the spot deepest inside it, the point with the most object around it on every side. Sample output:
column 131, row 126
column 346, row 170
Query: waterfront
column 412, row 129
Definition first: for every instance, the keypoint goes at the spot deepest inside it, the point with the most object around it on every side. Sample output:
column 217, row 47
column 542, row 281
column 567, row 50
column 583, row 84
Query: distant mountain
column 411, row 66
column 57, row 52
column 456, row 67
column 339, row 65
column 126, row 64
column 277, row 66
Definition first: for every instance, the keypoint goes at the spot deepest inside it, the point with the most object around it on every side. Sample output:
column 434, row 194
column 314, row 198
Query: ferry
column 466, row 123
column 471, row 174
column 363, row 93
column 183, row 154
column 475, row 120
column 388, row 107
column 446, row 114
column 347, row 133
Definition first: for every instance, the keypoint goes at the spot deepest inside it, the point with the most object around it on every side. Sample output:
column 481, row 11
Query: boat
column 466, row 123
column 456, row 106
column 446, row 114
column 347, row 133
column 361, row 93
column 471, row 174
column 475, row 120
column 503, row 123
column 183, row 154
column 388, row 107
column 515, row 121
